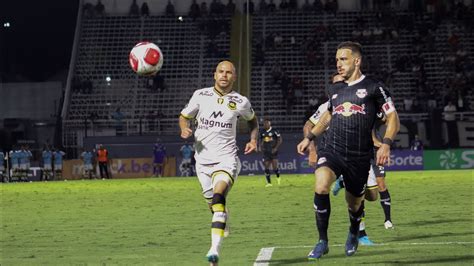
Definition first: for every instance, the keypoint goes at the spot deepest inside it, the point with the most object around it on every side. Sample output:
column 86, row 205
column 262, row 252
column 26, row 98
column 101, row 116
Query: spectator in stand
column 145, row 10
column 204, row 10
column 450, row 119
column 416, row 144
column 298, row 87
column 118, row 117
column 259, row 54
column 276, row 72
column 99, row 8
column 194, row 10
column 170, row 9
column 278, row 41
column 216, row 7
column 230, row 7
column 284, row 84
column 134, row 9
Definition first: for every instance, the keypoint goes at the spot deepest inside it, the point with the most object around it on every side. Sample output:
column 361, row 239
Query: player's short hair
column 355, row 47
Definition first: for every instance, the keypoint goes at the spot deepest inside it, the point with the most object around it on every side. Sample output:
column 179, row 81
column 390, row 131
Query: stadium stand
column 105, row 42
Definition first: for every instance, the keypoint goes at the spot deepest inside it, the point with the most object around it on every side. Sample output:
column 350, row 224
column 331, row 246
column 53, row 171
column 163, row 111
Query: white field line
column 265, row 254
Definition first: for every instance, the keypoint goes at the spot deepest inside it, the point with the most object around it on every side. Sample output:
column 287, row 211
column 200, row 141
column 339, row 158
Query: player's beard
column 226, row 87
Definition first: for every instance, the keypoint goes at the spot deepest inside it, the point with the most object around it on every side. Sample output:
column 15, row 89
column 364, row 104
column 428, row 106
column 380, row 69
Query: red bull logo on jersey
column 348, row 109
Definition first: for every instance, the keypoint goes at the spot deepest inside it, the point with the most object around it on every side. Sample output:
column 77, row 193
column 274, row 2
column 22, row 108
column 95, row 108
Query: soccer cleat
column 337, row 187
column 352, row 243
column 269, row 185
column 388, row 224
column 365, row 241
column 278, row 181
column 319, row 250
column 212, row 256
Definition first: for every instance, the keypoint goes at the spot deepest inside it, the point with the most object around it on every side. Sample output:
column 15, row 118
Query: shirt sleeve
column 247, row 111
column 317, row 115
column 192, row 108
column 277, row 134
column 383, row 99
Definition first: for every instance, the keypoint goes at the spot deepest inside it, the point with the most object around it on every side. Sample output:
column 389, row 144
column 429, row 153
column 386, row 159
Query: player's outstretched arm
column 252, row 144
column 186, row 131
column 393, row 126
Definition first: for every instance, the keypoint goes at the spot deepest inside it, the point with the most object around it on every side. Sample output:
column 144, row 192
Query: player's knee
column 267, row 171
column 322, row 187
column 371, row 194
column 381, row 184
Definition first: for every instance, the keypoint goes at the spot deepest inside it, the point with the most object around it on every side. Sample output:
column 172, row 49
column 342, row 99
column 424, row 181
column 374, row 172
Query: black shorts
column 269, row 156
column 354, row 171
column 379, row 171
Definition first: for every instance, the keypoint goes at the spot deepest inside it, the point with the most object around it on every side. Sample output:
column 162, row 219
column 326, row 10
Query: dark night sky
column 38, row 43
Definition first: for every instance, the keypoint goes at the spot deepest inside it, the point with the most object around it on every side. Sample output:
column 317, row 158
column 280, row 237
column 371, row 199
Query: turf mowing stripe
column 264, row 256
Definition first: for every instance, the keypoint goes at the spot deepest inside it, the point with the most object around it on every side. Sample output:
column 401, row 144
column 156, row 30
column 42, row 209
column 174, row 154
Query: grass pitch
column 166, row 222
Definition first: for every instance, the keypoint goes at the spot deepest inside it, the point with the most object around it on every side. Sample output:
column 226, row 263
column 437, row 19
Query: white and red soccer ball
column 146, row 59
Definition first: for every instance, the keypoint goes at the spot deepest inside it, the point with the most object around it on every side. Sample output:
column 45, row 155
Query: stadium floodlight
column 108, row 78
column 6, row 25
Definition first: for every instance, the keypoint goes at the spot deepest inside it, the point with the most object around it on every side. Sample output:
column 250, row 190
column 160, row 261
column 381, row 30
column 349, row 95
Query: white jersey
column 216, row 117
column 323, row 108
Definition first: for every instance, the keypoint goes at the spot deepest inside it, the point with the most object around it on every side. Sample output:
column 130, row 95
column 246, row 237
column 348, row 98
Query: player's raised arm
column 186, row 131
column 393, row 126
column 253, row 127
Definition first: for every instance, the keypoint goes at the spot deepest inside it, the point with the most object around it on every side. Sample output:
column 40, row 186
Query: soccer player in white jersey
column 217, row 110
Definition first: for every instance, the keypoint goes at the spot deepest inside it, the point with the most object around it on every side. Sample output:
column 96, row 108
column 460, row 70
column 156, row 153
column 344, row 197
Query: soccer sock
column 267, row 176
column 386, row 203
column 218, row 221
column 355, row 218
column 362, row 226
column 341, row 182
column 277, row 172
column 322, row 209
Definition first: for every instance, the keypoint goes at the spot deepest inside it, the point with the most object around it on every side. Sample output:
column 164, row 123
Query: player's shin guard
column 218, row 221
column 386, row 203
column 355, row 218
column 267, row 176
column 322, row 209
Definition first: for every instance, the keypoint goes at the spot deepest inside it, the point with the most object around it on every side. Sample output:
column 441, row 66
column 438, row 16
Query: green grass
column 166, row 222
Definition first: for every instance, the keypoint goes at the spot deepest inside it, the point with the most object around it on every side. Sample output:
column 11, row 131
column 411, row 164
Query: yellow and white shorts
column 210, row 174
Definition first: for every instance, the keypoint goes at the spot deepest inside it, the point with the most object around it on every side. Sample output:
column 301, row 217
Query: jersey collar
column 219, row 93
column 356, row 81
column 270, row 129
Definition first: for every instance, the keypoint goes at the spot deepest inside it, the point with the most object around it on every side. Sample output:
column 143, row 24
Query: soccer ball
column 146, row 59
